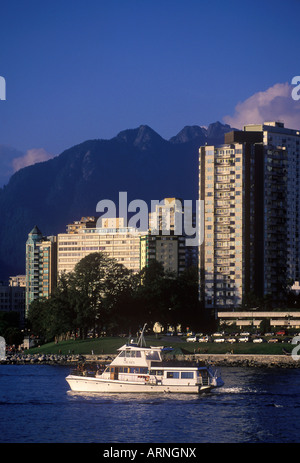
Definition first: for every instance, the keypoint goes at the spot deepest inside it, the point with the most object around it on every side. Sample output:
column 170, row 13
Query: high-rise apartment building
column 279, row 169
column 112, row 238
column 165, row 240
column 40, row 266
column 222, row 255
column 250, row 190
column 169, row 250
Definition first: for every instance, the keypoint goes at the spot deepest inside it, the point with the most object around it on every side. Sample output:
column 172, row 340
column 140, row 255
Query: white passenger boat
column 138, row 368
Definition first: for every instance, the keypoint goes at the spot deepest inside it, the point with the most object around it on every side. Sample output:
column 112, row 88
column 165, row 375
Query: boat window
column 123, row 369
column 152, row 355
column 156, row 372
column 187, row 374
column 132, row 353
column 122, row 354
column 138, row 370
column 133, row 370
column 173, row 374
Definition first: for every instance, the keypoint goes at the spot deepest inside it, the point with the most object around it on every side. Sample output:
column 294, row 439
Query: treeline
column 10, row 328
column 101, row 295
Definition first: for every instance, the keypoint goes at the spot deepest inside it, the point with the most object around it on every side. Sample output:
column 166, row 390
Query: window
column 156, row 372
column 132, row 353
column 152, row 355
column 187, row 375
column 173, row 374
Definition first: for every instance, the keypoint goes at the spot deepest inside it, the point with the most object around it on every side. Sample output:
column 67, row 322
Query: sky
column 78, row 70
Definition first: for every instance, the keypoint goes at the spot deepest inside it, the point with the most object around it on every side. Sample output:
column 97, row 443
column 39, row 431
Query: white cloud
column 274, row 104
column 31, row 157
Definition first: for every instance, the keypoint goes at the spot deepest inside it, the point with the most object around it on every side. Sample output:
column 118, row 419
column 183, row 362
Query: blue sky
column 78, row 70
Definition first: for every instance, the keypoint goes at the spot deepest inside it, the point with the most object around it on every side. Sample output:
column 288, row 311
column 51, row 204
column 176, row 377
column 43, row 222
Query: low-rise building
column 12, row 299
column 286, row 319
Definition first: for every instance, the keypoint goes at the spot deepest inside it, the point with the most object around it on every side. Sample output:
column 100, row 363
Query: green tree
column 151, row 294
column 54, row 316
column 9, row 327
column 168, row 298
column 99, row 286
column 37, row 317
column 188, row 309
column 265, row 326
column 94, row 296
column 103, row 295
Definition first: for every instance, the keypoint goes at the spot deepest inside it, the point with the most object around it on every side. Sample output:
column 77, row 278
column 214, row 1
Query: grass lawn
column 245, row 348
column 109, row 345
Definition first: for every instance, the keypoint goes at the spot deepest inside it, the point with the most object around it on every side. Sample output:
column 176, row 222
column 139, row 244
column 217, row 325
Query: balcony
column 223, row 212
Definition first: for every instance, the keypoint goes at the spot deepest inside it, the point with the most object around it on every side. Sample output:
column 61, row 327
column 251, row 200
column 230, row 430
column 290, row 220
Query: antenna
column 141, row 340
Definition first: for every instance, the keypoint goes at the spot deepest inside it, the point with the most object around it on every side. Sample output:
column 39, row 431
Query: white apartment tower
column 250, row 189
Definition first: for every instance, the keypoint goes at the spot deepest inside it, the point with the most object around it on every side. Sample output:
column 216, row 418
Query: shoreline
column 250, row 360
column 233, row 360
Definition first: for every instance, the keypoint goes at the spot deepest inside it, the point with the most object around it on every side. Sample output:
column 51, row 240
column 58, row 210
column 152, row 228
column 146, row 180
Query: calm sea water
column 255, row 405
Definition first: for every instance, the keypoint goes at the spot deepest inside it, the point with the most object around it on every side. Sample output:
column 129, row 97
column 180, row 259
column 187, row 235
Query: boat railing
column 204, row 380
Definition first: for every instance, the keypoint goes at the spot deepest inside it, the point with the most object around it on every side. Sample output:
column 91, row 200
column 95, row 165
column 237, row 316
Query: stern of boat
column 215, row 378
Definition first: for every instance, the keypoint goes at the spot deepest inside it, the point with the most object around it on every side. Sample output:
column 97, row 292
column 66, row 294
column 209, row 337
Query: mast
column 141, row 340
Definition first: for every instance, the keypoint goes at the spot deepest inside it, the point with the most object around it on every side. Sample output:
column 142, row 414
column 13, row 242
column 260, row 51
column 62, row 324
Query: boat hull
column 84, row 384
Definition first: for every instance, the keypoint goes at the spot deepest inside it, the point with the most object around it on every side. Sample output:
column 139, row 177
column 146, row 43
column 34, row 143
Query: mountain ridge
column 56, row 192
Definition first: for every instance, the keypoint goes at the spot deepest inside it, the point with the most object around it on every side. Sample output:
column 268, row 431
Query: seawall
column 234, row 360
column 281, row 361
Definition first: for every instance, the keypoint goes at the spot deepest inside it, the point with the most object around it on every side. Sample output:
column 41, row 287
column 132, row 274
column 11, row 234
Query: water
column 254, row 406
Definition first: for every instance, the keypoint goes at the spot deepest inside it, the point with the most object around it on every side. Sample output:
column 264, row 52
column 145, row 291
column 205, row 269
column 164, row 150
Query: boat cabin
column 140, row 364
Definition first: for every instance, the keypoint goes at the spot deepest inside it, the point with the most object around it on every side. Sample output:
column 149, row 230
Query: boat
column 141, row 369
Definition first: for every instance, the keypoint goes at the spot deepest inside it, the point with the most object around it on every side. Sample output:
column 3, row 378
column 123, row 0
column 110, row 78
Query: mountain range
column 56, row 192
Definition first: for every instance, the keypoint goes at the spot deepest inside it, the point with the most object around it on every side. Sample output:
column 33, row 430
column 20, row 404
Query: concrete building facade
column 113, row 238
column 12, row 299
column 165, row 240
column 249, row 319
column 251, row 219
